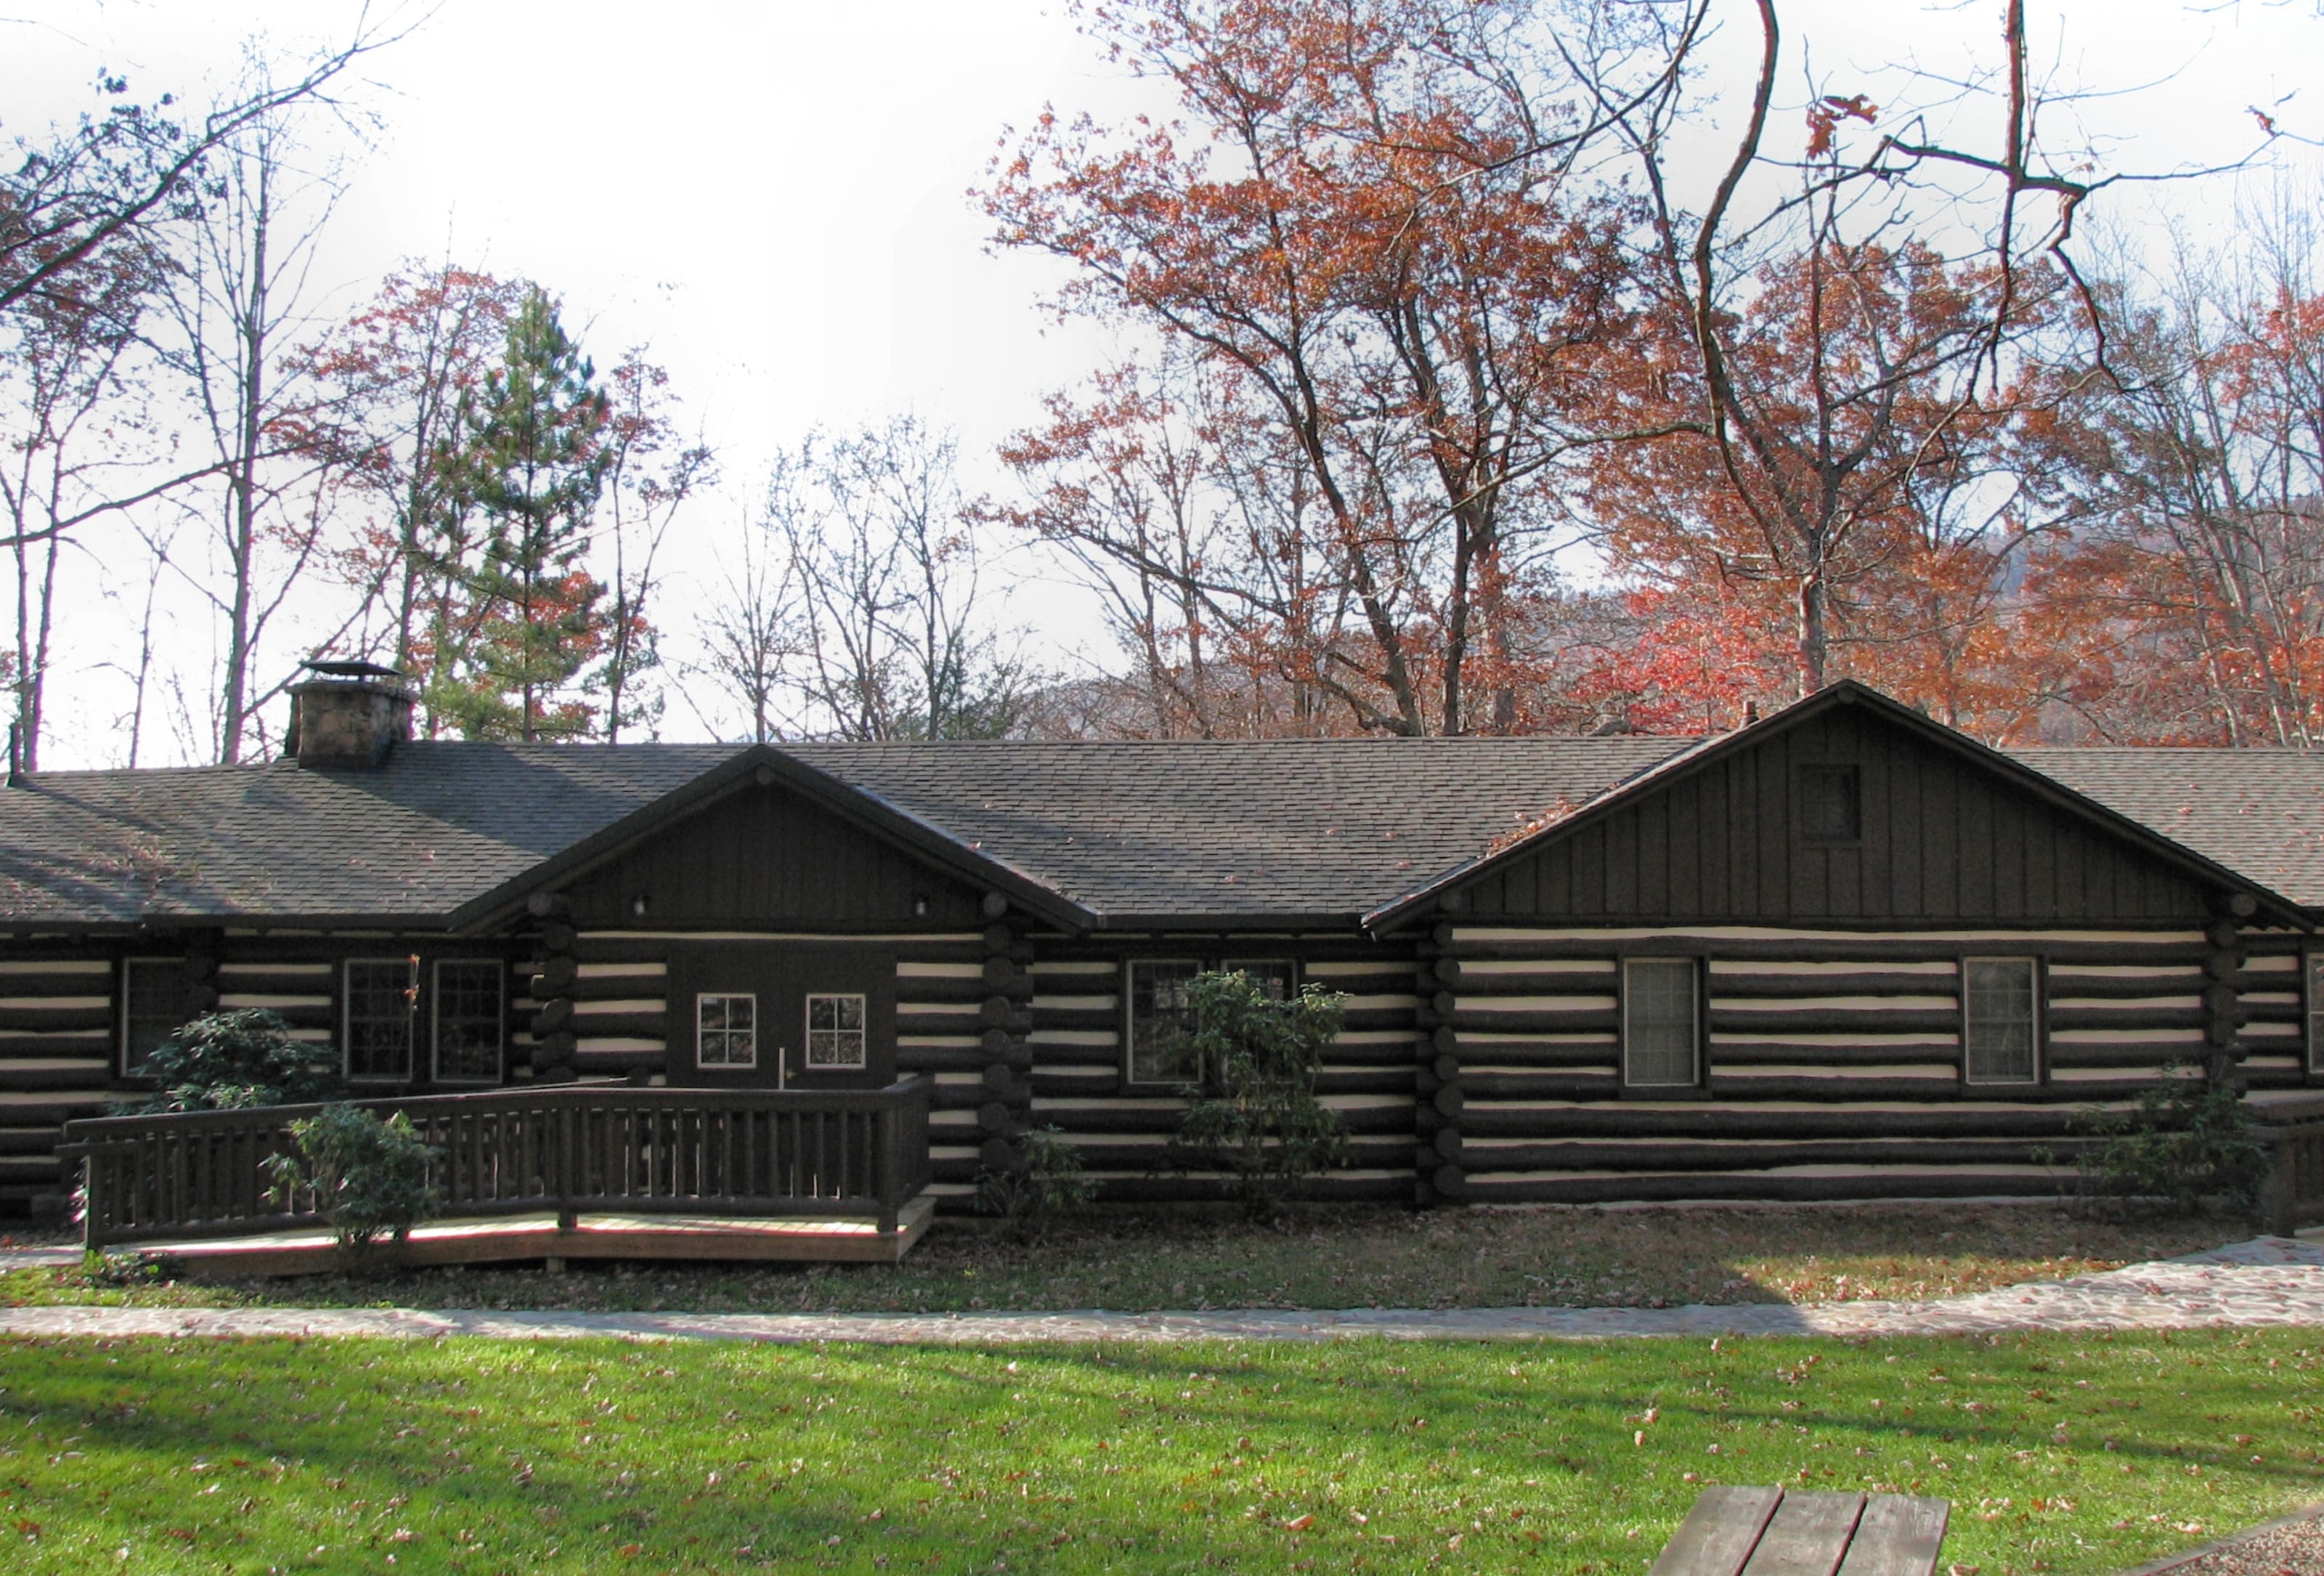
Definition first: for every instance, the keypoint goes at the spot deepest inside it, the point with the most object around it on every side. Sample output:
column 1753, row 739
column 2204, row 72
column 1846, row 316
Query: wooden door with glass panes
column 781, row 1015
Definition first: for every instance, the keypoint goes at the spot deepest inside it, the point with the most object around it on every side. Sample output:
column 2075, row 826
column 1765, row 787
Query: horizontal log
column 1776, row 1188
column 1639, row 1119
column 1871, row 981
column 1606, row 1154
column 1869, row 952
column 1598, row 1022
column 97, row 1043
column 1534, row 1053
column 938, row 1059
column 94, row 1074
column 2149, row 1054
column 17, row 987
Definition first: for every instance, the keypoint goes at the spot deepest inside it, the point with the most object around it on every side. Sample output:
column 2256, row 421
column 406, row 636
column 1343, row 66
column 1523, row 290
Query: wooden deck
column 504, row 1238
column 1768, row 1532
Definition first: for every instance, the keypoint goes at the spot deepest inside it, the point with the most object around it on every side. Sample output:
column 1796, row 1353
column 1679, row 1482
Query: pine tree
column 532, row 465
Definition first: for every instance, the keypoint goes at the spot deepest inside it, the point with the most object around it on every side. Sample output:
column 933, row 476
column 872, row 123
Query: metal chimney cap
column 338, row 667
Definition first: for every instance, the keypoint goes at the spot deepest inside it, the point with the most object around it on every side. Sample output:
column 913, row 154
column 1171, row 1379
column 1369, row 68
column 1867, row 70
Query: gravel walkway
column 2293, row 1546
column 2269, row 1281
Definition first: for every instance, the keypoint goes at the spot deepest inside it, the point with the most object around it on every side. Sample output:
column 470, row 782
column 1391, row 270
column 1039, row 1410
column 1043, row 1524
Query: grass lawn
column 2065, row 1453
column 1321, row 1259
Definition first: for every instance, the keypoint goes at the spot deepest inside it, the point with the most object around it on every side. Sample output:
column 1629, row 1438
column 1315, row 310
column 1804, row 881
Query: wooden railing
column 572, row 1148
column 2294, row 1130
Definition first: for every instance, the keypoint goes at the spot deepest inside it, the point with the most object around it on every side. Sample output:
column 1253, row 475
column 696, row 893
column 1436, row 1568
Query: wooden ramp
column 505, row 1238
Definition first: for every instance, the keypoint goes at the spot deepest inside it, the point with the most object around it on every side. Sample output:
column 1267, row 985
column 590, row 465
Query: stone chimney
column 349, row 714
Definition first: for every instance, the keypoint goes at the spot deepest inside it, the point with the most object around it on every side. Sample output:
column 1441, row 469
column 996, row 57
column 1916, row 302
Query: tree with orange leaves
column 1383, row 296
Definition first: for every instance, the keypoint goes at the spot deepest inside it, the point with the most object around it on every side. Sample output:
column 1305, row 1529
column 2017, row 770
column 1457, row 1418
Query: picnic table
column 1768, row 1531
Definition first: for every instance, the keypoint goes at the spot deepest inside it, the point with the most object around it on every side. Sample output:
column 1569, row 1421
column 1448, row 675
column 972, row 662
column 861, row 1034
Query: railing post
column 890, row 1161
column 566, row 1217
column 2277, row 1203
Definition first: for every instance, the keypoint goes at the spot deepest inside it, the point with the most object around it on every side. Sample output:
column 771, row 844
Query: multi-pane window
column 471, row 1019
column 726, row 1030
column 1831, row 804
column 1156, row 1026
column 152, row 1007
column 2000, row 1026
column 1659, row 1022
column 1278, row 977
column 835, row 1032
column 383, row 1000
column 2315, row 1012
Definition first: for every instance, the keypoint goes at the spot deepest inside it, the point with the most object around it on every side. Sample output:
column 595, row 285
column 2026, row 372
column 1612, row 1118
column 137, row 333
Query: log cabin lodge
column 1843, row 952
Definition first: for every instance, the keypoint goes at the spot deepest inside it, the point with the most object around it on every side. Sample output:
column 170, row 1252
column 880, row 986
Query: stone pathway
column 2269, row 1281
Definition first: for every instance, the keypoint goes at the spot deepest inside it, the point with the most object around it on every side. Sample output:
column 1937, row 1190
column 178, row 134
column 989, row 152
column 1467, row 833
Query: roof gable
column 1952, row 830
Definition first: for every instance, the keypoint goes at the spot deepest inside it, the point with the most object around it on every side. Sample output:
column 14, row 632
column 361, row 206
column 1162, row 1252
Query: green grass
column 1321, row 1259
column 2064, row 1453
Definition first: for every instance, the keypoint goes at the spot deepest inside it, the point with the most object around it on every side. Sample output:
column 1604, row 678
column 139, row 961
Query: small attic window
column 1831, row 804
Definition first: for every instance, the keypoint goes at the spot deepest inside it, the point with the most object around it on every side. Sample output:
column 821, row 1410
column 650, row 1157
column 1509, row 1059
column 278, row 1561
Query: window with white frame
column 379, row 1007
column 153, row 1008
column 1661, row 1023
column 471, row 1019
column 835, row 1032
column 726, row 1030
column 2001, row 1030
column 1155, row 1020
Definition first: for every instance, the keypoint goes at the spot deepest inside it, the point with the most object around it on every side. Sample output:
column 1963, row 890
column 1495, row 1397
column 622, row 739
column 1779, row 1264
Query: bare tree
column 651, row 474
column 237, row 296
column 855, row 610
column 122, row 178
column 74, row 434
column 748, row 626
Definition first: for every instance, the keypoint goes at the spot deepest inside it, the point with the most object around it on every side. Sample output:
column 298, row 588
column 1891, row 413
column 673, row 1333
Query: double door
column 781, row 1015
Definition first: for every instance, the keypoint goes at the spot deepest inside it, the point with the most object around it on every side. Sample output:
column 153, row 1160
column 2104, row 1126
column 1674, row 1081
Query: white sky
column 772, row 195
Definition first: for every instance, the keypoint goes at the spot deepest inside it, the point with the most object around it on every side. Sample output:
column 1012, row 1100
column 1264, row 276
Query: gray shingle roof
column 436, row 825
column 1236, row 830
column 2258, row 812
column 1311, row 826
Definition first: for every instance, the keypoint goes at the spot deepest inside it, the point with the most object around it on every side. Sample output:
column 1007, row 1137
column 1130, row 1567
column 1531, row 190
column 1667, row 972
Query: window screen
column 1999, row 1025
column 726, row 1032
column 1157, row 1050
column 1831, row 806
column 2315, row 1012
column 1658, row 1021
column 152, row 1007
column 382, row 1000
column 470, row 1021
column 835, row 1031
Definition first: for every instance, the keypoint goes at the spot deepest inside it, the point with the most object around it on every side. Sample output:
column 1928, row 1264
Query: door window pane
column 2000, row 1024
column 726, row 1032
column 1157, row 1051
column 153, row 1006
column 470, row 1021
column 382, row 998
column 1658, row 1021
column 835, row 1031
